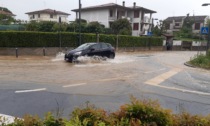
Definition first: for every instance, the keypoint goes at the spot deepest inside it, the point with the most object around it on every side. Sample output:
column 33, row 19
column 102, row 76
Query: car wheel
column 111, row 56
column 74, row 60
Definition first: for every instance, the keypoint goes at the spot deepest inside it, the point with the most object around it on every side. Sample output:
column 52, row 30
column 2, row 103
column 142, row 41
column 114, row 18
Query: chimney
column 134, row 5
column 123, row 3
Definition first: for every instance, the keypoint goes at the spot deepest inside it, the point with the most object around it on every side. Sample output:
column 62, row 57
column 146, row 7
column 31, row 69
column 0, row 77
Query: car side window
column 104, row 46
column 96, row 47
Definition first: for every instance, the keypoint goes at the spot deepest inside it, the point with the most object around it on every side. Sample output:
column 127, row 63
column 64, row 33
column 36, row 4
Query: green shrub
column 202, row 61
column 186, row 119
column 50, row 120
column 90, row 116
column 145, row 112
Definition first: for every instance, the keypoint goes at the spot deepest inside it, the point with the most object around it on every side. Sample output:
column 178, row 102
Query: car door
column 105, row 51
column 95, row 50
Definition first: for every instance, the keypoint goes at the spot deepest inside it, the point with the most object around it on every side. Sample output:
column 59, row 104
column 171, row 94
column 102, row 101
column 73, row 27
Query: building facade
column 174, row 24
column 48, row 15
column 140, row 18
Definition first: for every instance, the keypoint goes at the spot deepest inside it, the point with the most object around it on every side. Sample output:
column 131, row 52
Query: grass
column 201, row 61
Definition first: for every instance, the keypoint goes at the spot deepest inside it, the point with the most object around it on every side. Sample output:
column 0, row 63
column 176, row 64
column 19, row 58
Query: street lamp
column 205, row 4
column 60, row 32
column 208, row 43
column 80, row 22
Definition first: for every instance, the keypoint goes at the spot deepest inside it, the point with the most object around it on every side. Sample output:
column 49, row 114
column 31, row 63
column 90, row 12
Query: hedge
column 68, row 39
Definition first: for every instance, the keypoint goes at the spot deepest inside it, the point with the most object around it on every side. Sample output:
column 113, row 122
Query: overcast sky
column 164, row 8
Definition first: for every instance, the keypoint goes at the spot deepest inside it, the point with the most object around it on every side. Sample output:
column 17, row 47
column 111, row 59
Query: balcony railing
column 122, row 17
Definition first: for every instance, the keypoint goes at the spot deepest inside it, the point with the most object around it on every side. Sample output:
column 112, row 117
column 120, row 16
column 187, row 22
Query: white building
column 174, row 24
column 48, row 15
column 139, row 17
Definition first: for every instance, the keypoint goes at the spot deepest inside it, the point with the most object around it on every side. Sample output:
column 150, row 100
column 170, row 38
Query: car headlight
column 78, row 53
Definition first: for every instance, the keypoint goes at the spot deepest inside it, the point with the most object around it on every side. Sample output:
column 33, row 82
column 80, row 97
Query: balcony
column 177, row 27
column 147, row 21
column 112, row 18
column 121, row 17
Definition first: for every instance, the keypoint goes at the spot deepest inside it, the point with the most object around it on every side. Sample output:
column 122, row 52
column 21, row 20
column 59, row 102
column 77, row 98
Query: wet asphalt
column 36, row 85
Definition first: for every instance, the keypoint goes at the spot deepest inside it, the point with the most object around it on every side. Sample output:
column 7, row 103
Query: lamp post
column 208, row 43
column 80, row 22
column 205, row 4
column 60, row 32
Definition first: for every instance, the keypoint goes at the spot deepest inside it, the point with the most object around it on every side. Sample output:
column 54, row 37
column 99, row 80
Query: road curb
column 189, row 65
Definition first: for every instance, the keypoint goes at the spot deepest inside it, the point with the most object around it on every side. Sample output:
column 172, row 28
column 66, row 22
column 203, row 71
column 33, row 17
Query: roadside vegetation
column 136, row 113
column 202, row 61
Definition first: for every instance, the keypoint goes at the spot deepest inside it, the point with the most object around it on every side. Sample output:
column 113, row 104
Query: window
column 96, row 47
column 136, row 14
column 135, row 26
column 197, row 26
column 51, row 16
column 38, row 15
column 33, row 16
column 111, row 13
column 176, row 24
column 104, row 46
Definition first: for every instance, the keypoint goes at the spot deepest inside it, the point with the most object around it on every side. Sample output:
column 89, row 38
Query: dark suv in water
column 91, row 49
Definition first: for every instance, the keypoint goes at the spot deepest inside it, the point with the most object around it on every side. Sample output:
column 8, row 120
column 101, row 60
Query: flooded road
column 36, row 85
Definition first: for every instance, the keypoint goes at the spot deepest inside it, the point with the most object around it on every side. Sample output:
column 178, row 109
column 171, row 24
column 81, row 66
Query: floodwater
column 111, row 78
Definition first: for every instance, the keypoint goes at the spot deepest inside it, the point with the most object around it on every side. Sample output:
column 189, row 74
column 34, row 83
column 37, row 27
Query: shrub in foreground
column 143, row 113
column 137, row 113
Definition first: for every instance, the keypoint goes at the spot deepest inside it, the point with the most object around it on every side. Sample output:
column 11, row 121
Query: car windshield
column 84, row 46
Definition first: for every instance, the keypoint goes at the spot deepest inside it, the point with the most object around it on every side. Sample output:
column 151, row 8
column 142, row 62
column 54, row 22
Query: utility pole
column 208, row 43
column 79, row 22
column 60, row 32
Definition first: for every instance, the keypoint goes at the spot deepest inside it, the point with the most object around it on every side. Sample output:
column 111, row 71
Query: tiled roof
column 142, row 8
column 6, row 13
column 109, row 5
column 48, row 11
column 177, row 19
column 180, row 18
column 198, row 18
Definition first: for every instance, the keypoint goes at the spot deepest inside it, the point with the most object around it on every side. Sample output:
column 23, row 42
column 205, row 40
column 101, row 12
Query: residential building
column 174, row 24
column 140, row 18
column 48, row 15
column 5, row 11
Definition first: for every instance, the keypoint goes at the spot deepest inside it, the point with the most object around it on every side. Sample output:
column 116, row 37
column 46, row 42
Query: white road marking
column 6, row 119
column 154, row 71
column 34, row 90
column 74, row 85
column 102, row 80
column 183, row 90
column 161, row 78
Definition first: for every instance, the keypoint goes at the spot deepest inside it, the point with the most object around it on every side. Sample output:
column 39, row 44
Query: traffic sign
column 204, row 30
column 149, row 33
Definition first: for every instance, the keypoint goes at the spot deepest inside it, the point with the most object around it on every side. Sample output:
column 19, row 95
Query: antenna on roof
column 44, row 2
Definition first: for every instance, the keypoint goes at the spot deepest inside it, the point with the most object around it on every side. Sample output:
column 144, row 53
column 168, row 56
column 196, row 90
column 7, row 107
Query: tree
column 74, row 26
column 95, row 27
column 46, row 26
column 121, row 26
column 186, row 30
column 59, row 27
column 160, row 28
column 32, row 26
